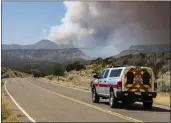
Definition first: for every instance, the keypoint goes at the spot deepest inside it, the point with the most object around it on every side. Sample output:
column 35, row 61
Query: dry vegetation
column 8, row 73
column 80, row 79
column 160, row 63
column 163, row 99
column 7, row 113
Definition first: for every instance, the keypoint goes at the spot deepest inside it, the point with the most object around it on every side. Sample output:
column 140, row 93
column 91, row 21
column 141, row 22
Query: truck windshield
column 115, row 73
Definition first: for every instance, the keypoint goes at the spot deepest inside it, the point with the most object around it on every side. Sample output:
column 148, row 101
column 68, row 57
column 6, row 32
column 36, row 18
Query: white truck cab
column 127, row 84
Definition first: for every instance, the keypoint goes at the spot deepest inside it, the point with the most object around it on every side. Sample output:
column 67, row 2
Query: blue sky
column 24, row 22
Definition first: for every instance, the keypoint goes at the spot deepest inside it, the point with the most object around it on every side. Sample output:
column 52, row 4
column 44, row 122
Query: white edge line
column 24, row 112
column 74, row 88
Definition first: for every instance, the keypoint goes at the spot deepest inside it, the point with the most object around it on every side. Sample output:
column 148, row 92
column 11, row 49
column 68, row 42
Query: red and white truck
column 127, row 84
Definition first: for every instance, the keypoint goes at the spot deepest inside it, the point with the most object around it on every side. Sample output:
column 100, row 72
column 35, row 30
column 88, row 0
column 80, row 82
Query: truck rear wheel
column 95, row 97
column 148, row 104
column 113, row 102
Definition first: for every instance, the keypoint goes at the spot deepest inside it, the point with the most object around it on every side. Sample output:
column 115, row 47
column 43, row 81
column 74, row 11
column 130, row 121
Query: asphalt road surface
column 42, row 101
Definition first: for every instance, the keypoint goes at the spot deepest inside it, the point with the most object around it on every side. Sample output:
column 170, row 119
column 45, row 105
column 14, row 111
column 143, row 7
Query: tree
column 58, row 69
column 142, row 55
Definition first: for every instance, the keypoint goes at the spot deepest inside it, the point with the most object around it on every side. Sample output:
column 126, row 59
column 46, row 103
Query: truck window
column 130, row 77
column 102, row 74
column 146, row 78
column 106, row 73
column 115, row 73
column 119, row 72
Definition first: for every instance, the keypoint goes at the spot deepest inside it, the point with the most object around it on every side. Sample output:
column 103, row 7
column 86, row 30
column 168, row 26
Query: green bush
column 58, row 69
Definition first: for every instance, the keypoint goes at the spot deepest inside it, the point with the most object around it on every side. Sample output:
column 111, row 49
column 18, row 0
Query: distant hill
column 135, row 49
column 40, row 55
column 49, row 55
column 41, row 59
column 43, row 44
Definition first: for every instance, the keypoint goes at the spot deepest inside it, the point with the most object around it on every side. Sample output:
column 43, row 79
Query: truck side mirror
column 96, row 76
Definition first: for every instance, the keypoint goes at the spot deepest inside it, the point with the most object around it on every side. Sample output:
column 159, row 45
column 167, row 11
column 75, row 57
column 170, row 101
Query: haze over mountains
column 43, row 50
column 49, row 50
column 41, row 55
column 44, row 53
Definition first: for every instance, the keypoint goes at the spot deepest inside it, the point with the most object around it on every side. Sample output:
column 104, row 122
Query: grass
column 80, row 79
column 8, row 73
column 7, row 113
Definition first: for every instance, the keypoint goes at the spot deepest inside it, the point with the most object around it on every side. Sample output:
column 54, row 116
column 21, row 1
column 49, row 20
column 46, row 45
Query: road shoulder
column 15, row 110
column 157, row 101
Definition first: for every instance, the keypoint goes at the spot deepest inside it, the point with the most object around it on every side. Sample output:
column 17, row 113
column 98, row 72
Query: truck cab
column 126, row 84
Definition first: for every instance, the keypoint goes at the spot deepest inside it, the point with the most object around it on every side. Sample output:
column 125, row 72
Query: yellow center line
column 90, row 105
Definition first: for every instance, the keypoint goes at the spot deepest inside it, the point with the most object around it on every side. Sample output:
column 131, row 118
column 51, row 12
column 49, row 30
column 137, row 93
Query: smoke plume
column 109, row 27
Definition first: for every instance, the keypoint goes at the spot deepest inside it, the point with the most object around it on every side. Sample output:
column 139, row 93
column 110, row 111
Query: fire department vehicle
column 126, row 84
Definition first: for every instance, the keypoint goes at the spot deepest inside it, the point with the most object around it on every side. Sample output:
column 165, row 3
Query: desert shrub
column 36, row 73
column 58, row 69
column 125, row 62
column 97, row 61
column 5, row 75
column 75, row 66
column 62, row 78
column 138, row 63
column 159, row 64
column 6, row 112
column 163, row 86
column 97, row 70
column 50, row 77
column 130, row 56
column 142, row 55
column 70, row 77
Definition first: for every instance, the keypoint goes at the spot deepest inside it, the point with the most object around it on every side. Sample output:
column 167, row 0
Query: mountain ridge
column 42, row 44
column 154, row 48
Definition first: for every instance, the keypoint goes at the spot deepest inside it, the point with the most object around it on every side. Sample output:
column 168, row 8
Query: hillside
column 135, row 49
column 58, row 55
column 159, row 62
column 41, row 59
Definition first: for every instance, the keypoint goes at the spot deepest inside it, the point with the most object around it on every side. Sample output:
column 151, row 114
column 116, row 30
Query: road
column 42, row 101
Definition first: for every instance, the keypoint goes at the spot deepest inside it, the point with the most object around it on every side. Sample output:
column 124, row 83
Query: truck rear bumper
column 136, row 94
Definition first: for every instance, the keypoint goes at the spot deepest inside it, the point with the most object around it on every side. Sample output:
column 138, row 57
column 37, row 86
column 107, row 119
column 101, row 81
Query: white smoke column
column 71, row 29
column 110, row 27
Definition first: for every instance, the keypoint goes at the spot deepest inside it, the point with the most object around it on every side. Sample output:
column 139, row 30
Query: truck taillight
column 119, row 85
